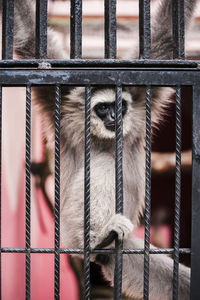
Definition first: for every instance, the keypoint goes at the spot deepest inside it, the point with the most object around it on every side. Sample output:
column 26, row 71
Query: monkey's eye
column 101, row 109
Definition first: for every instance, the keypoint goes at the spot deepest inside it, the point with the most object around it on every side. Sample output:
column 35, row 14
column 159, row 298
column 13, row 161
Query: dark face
column 106, row 112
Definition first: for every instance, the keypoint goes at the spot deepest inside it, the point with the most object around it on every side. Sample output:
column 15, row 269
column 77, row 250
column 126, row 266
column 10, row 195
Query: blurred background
column 42, row 182
column 127, row 27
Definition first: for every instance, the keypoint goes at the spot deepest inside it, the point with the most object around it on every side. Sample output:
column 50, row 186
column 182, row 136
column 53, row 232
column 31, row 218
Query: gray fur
column 162, row 39
column 161, row 266
column 103, row 217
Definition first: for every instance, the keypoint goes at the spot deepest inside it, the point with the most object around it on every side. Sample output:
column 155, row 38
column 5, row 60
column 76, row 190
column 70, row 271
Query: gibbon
column 103, row 218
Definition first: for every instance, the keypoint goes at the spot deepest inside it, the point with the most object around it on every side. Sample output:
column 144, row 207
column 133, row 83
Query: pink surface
column 42, row 265
column 163, row 232
column 13, row 211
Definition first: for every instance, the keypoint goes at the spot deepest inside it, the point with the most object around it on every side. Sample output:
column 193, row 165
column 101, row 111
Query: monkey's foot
column 118, row 226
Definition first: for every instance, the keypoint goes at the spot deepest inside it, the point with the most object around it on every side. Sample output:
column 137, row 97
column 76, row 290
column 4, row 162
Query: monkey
column 105, row 224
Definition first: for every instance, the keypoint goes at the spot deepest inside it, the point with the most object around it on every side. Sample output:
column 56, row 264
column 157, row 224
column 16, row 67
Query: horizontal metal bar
column 82, row 77
column 156, row 251
column 95, row 251
column 137, row 63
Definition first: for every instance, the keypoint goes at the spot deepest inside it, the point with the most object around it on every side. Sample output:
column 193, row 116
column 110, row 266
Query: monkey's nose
column 112, row 115
column 110, row 120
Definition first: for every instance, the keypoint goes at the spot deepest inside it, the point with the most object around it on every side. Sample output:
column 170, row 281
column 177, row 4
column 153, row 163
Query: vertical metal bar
column 41, row 28
column 144, row 29
column 195, row 253
column 76, row 29
column 119, row 191
column 57, row 194
column 110, row 28
column 28, row 192
column 147, row 214
column 177, row 194
column 0, row 183
column 178, row 29
column 7, row 29
column 87, row 195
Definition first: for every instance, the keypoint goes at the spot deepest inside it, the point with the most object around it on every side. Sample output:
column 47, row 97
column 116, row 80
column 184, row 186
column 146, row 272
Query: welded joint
column 43, row 65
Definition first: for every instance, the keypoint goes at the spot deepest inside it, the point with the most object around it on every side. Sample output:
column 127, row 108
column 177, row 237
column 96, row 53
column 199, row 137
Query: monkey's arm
column 161, row 274
column 162, row 37
column 103, row 219
column 162, row 44
column 25, row 48
column 24, row 33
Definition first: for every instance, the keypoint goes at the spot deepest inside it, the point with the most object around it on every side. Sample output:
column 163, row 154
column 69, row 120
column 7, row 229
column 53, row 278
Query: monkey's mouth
column 110, row 126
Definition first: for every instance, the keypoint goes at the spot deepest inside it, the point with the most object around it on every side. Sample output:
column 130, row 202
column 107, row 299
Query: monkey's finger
column 108, row 240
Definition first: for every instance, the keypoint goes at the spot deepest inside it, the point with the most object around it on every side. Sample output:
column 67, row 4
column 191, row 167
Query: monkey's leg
column 161, row 274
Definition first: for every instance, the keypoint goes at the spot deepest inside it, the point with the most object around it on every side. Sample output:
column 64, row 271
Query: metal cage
column 111, row 72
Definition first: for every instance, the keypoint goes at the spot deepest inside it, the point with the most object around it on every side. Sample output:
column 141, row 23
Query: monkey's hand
column 117, row 226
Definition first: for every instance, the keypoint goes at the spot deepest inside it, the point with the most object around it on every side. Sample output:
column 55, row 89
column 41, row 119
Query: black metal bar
column 95, row 251
column 144, row 29
column 57, row 194
column 7, row 28
column 110, row 28
column 30, row 63
column 0, row 185
column 119, row 191
column 28, row 191
column 41, row 28
column 87, row 195
column 178, row 29
column 157, row 251
column 177, row 194
column 195, row 253
column 81, row 77
column 147, row 213
column 76, row 29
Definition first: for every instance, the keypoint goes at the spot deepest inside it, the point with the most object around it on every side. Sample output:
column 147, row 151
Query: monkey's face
column 103, row 114
column 106, row 112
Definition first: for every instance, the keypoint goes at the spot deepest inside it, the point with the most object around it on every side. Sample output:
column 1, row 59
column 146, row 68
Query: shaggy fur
column 103, row 217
